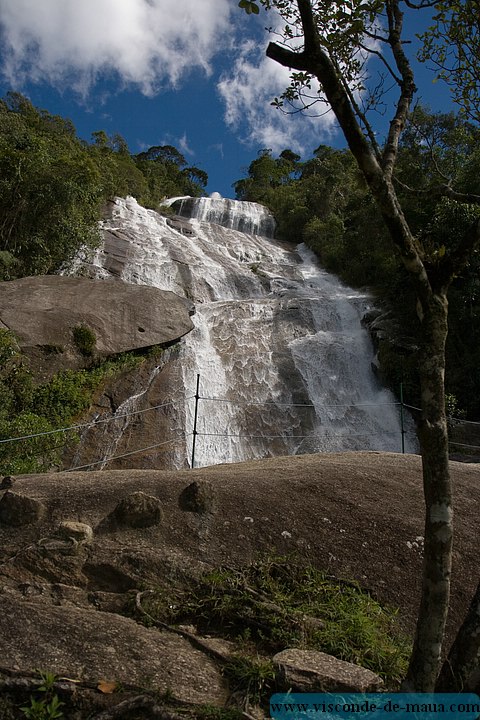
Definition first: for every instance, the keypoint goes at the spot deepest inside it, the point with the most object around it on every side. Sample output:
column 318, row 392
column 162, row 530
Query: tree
column 164, row 168
column 266, row 173
column 53, row 185
column 49, row 190
column 331, row 43
column 452, row 47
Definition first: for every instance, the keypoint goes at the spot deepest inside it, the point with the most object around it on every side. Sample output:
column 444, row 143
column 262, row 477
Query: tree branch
column 363, row 119
column 321, row 66
column 288, row 58
column 407, row 85
column 324, row 70
column 310, row 34
column 381, row 57
column 441, row 191
column 375, row 35
column 421, row 5
column 468, row 198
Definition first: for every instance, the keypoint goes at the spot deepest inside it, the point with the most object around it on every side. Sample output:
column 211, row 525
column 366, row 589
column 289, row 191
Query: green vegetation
column 47, row 706
column 52, row 190
column 275, row 603
column 253, row 678
column 53, row 185
column 84, row 339
column 30, row 409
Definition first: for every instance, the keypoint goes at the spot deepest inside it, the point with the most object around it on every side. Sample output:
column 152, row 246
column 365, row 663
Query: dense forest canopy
column 53, row 185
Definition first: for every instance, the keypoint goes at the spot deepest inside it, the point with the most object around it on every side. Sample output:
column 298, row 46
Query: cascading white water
column 351, row 408
column 246, row 217
column 284, row 363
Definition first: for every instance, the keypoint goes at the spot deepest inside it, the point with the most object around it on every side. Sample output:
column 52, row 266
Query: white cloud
column 150, row 43
column 184, row 146
column 247, row 91
column 217, row 147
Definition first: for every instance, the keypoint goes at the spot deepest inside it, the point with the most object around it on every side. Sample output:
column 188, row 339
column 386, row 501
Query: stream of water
column 283, row 360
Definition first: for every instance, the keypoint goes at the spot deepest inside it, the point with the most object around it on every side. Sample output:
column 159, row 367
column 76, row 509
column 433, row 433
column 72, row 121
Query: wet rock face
column 246, row 217
column 17, row 510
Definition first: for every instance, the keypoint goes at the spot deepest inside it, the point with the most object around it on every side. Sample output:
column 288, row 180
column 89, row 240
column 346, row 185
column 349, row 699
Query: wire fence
column 459, row 429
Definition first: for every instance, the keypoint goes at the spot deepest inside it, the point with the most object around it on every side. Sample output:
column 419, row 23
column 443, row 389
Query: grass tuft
column 276, row 603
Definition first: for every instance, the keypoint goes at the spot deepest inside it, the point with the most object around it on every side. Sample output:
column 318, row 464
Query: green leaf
column 249, row 6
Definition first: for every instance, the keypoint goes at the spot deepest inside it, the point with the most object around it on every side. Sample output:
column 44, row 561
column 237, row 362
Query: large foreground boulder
column 359, row 516
column 96, row 646
column 313, row 671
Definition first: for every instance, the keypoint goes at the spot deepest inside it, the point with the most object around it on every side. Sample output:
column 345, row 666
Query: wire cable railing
column 297, row 405
column 82, row 426
column 195, row 433
column 123, row 455
column 286, row 436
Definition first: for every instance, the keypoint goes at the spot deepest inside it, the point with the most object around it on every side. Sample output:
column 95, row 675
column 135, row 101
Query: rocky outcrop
column 137, row 510
column 198, row 497
column 312, row 671
column 98, row 646
column 385, row 328
column 358, row 515
column 17, row 510
column 65, row 579
column 43, row 311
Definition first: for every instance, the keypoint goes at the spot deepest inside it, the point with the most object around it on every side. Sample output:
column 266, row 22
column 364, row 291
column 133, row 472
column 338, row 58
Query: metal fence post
column 402, row 424
column 195, row 416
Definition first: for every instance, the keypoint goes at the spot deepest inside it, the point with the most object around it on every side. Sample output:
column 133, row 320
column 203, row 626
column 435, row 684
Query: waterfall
column 283, row 360
column 246, row 217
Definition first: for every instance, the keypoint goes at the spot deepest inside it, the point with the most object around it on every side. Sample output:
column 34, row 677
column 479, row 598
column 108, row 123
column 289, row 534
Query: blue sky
column 190, row 73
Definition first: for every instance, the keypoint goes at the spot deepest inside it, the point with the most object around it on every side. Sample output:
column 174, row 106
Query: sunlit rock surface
column 43, row 310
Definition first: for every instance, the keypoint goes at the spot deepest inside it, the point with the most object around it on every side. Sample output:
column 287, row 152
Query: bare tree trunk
column 464, row 655
column 431, row 284
column 426, row 655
